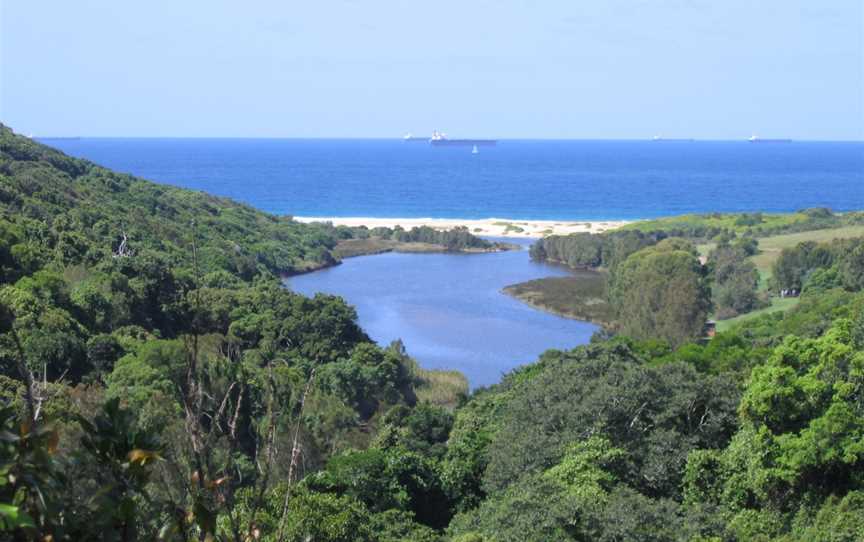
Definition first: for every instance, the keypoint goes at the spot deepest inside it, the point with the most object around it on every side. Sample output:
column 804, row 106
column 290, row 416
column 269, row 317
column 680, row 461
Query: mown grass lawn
column 777, row 304
column 770, row 247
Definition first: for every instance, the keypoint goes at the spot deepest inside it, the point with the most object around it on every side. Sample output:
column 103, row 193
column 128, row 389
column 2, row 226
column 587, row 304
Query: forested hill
column 157, row 381
column 82, row 212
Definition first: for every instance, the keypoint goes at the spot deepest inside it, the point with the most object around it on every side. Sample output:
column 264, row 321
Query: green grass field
column 777, row 304
column 770, row 247
column 738, row 222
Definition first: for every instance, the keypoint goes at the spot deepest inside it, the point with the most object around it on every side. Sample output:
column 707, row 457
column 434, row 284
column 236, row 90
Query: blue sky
column 720, row 69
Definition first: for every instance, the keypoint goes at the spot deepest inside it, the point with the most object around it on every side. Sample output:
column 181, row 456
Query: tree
column 656, row 414
column 735, row 282
column 660, row 292
column 388, row 479
column 325, row 517
column 852, row 268
column 801, row 440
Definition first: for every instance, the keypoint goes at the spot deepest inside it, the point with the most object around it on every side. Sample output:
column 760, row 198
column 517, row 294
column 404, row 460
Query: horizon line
column 400, row 138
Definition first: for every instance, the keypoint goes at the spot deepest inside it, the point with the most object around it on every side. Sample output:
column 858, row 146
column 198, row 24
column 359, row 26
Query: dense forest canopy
column 157, row 382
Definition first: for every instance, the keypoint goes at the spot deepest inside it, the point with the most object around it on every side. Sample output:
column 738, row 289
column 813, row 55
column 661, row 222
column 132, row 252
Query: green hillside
column 708, row 225
column 146, row 340
column 82, row 210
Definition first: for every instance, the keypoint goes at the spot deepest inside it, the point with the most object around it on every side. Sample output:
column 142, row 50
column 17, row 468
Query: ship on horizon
column 661, row 138
column 412, row 138
column 441, row 139
column 756, row 139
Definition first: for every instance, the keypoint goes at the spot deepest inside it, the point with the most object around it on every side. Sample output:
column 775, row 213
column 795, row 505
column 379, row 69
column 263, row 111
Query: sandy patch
column 494, row 227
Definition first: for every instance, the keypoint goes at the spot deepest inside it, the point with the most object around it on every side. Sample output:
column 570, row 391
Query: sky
column 596, row 69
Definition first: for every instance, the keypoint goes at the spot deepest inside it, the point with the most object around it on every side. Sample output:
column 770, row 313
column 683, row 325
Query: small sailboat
column 474, row 150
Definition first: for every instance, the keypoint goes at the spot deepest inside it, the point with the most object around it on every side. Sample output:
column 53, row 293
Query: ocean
column 556, row 180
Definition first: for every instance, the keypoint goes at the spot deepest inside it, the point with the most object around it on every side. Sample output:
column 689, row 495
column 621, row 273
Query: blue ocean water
column 516, row 179
column 448, row 309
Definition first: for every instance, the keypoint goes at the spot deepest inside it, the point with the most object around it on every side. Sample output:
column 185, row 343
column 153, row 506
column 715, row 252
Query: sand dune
column 496, row 227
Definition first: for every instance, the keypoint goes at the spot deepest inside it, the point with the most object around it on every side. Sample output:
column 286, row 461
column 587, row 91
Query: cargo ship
column 661, row 138
column 757, row 139
column 408, row 138
column 440, row 139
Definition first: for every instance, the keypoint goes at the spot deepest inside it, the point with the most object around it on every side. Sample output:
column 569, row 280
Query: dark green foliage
column 838, row 520
column 661, row 292
column 751, row 219
column 851, row 266
column 41, row 495
column 586, row 250
column 103, row 351
column 384, row 480
column 735, row 281
column 564, row 462
column 325, row 517
column 843, row 259
column 366, row 379
column 531, row 510
column 453, row 240
column 632, row 517
column 590, row 447
column 746, row 245
column 467, row 449
column 127, row 456
column 656, row 415
column 727, row 353
column 399, row 526
column 423, row 429
column 823, row 279
column 31, row 477
column 72, row 211
column 656, row 287
column 800, row 442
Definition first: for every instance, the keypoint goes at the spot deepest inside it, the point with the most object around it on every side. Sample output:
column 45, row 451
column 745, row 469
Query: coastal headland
column 486, row 227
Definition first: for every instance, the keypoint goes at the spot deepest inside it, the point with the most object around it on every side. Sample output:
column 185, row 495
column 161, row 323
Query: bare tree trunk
column 295, row 457
column 32, row 408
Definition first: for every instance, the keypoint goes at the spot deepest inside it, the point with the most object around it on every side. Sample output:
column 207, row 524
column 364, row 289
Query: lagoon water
column 448, row 309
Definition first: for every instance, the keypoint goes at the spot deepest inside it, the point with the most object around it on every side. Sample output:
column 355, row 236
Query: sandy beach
column 493, row 227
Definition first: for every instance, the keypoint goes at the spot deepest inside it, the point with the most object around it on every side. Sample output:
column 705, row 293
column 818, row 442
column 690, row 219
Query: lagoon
column 448, row 309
